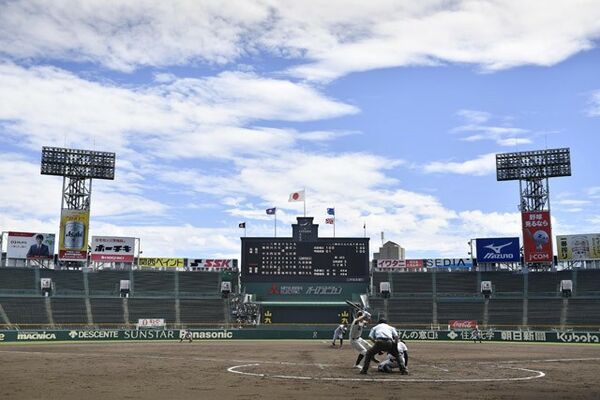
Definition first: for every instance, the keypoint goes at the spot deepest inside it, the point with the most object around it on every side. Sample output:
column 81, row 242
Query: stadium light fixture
column 533, row 165
column 84, row 164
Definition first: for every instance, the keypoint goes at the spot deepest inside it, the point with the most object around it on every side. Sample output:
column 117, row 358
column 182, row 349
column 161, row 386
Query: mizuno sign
column 494, row 250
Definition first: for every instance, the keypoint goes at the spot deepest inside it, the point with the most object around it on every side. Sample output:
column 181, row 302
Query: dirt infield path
column 294, row 370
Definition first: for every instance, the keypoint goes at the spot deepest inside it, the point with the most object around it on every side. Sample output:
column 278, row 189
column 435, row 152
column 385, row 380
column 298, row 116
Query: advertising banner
column 414, row 263
column 112, row 249
column 537, row 231
column 31, row 245
column 390, row 264
column 161, row 262
column 494, row 250
column 449, row 263
column 462, row 324
column 210, row 264
column 458, row 335
column 578, row 247
column 73, row 242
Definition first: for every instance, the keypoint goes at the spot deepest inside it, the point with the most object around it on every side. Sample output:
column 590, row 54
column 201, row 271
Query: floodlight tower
column 77, row 168
column 532, row 169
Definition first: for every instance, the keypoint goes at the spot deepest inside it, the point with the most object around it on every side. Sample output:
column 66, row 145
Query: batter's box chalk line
column 532, row 374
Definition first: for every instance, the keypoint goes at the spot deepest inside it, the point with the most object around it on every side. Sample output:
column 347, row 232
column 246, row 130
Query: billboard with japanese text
column 537, row 233
column 162, row 262
column 391, row 264
column 30, row 245
column 112, row 249
column 211, row 264
column 73, row 240
column 578, row 247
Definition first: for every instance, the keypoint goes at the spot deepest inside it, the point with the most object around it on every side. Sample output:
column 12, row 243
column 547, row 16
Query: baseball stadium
column 274, row 321
column 278, row 199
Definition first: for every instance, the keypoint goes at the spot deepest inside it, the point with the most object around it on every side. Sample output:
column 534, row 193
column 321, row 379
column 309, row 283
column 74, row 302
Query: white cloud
column 329, row 40
column 593, row 109
column 49, row 106
column 480, row 123
column 482, row 165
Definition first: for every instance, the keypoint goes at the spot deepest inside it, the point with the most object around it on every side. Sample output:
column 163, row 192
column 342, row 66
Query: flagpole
column 365, row 229
column 334, row 226
column 244, row 229
column 305, row 201
column 275, row 225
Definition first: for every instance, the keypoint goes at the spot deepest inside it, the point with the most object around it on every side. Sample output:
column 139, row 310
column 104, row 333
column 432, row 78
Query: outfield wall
column 25, row 336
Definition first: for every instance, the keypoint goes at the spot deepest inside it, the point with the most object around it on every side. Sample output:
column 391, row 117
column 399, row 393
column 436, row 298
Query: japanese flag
column 297, row 196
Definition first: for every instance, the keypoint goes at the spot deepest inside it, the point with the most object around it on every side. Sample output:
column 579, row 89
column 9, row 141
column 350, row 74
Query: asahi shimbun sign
column 112, row 249
column 30, row 245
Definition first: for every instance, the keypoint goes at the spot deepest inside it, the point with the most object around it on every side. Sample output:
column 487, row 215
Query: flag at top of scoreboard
column 331, row 211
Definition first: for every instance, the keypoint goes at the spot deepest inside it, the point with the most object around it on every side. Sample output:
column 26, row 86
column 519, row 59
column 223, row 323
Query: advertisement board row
column 429, row 263
column 453, row 335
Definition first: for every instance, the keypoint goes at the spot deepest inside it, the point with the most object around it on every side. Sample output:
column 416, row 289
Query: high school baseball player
column 391, row 362
column 339, row 333
column 185, row 334
column 356, row 341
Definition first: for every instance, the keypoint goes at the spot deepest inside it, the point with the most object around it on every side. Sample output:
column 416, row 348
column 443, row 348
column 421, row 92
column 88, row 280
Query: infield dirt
column 294, row 370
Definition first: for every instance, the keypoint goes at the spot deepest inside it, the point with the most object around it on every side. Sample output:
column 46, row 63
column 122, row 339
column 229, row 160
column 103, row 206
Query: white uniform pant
column 360, row 345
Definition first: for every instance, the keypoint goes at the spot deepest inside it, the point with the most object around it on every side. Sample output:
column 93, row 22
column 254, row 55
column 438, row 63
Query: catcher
column 392, row 362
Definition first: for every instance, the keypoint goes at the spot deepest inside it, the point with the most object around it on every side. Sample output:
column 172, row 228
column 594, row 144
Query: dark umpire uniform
column 386, row 339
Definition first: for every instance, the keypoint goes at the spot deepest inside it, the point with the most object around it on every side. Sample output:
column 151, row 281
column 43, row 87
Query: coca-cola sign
column 462, row 324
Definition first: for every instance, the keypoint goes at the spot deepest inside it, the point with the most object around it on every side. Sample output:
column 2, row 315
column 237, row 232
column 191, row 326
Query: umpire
column 386, row 339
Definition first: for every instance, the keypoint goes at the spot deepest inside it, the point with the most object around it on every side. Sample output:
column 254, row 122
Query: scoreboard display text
column 285, row 260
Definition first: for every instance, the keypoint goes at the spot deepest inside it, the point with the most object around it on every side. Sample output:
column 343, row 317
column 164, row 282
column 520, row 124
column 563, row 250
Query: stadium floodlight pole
column 77, row 168
column 533, row 169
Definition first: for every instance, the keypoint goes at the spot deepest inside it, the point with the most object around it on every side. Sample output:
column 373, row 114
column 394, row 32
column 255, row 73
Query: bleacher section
column 588, row 282
column 17, row 280
column 505, row 312
column 68, row 310
column 107, row 310
column 66, row 282
column 194, row 283
column 154, row 283
column 450, row 309
column 190, row 298
column 452, row 283
column 584, row 312
column 410, row 311
column 412, row 283
column 504, row 282
column 152, row 308
column 25, row 310
column 201, row 311
column 544, row 312
column 106, row 283
column 545, row 283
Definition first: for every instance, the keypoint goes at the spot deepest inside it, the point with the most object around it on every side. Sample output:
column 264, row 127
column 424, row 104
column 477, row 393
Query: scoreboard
column 305, row 257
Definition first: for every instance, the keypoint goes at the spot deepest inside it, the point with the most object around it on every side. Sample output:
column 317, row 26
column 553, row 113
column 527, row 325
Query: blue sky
column 391, row 112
